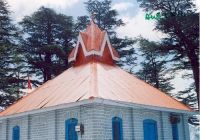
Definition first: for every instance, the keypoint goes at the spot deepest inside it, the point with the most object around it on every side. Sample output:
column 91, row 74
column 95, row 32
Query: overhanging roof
column 94, row 75
column 90, row 80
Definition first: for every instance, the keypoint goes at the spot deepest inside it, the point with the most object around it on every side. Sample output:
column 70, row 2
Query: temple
column 95, row 100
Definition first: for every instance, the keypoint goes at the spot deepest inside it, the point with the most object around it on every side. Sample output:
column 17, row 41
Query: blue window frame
column 150, row 130
column 16, row 133
column 175, row 131
column 70, row 132
column 117, row 131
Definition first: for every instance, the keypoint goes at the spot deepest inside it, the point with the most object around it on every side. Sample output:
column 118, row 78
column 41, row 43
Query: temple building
column 95, row 100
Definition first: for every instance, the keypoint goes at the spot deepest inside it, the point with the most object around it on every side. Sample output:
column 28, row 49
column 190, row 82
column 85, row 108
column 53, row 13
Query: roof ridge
column 93, row 79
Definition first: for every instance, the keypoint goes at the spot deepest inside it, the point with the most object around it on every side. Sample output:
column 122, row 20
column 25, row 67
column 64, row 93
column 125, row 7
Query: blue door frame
column 16, row 133
column 150, row 130
column 175, row 131
column 70, row 132
column 117, row 131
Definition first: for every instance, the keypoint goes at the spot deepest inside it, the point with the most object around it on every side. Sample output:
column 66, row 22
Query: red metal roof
column 94, row 42
column 93, row 76
column 94, row 79
column 92, row 37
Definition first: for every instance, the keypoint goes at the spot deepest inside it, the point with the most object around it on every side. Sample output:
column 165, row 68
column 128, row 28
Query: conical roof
column 93, row 43
column 93, row 75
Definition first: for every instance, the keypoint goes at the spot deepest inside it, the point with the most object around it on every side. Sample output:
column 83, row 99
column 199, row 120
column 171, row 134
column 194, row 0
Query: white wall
column 97, row 120
column 22, row 122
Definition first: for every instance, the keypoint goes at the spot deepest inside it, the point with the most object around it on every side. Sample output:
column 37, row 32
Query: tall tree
column 153, row 67
column 81, row 23
column 180, row 22
column 8, row 50
column 107, row 19
column 48, row 38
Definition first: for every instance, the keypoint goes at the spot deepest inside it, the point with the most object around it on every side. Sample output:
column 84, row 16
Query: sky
column 128, row 10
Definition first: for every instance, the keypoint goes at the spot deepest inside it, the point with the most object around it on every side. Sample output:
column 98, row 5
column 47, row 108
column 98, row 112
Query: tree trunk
column 195, row 68
column 44, row 76
column 48, row 62
column 47, row 70
column 193, row 58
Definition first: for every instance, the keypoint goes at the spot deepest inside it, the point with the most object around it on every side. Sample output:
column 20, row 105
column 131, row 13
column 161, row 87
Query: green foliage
column 106, row 18
column 181, row 24
column 8, row 50
column 48, row 38
column 154, row 70
column 188, row 96
column 81, row 24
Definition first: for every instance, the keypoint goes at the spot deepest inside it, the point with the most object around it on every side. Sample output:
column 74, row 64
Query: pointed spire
column 93, row 44
column 92, row 17
column 92, row 41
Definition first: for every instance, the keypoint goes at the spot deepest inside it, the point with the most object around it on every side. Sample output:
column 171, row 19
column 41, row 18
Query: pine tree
column 180, row 21
column 81, row 24
column 48, row 38
column 107, row 19
column 8, row 48
column 153, row 67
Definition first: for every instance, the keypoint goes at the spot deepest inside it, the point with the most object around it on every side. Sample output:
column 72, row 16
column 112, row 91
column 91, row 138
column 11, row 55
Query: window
column 175, row 131
column 117, row 128
column 150, row 129
column 70, row 132
column 16, row 133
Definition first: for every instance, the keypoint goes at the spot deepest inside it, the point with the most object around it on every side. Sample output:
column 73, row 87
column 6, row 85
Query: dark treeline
column 40, row 43
column 182, row 30
column 180, row 22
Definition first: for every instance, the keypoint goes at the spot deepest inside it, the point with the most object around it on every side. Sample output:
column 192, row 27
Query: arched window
column 150, row 129
column 16, row 133
column 70, row 132
column 175, row 131
column 117, row 131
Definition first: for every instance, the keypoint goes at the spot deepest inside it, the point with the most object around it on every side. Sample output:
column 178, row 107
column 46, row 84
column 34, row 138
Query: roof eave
column 142, row 106
column 100, row 101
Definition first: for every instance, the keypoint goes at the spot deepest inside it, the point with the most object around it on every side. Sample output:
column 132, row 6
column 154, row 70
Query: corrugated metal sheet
column 93, row 79
column 93, row 76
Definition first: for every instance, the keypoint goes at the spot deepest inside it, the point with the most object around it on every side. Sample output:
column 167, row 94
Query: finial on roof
column 93, row 14
column 95, row 45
